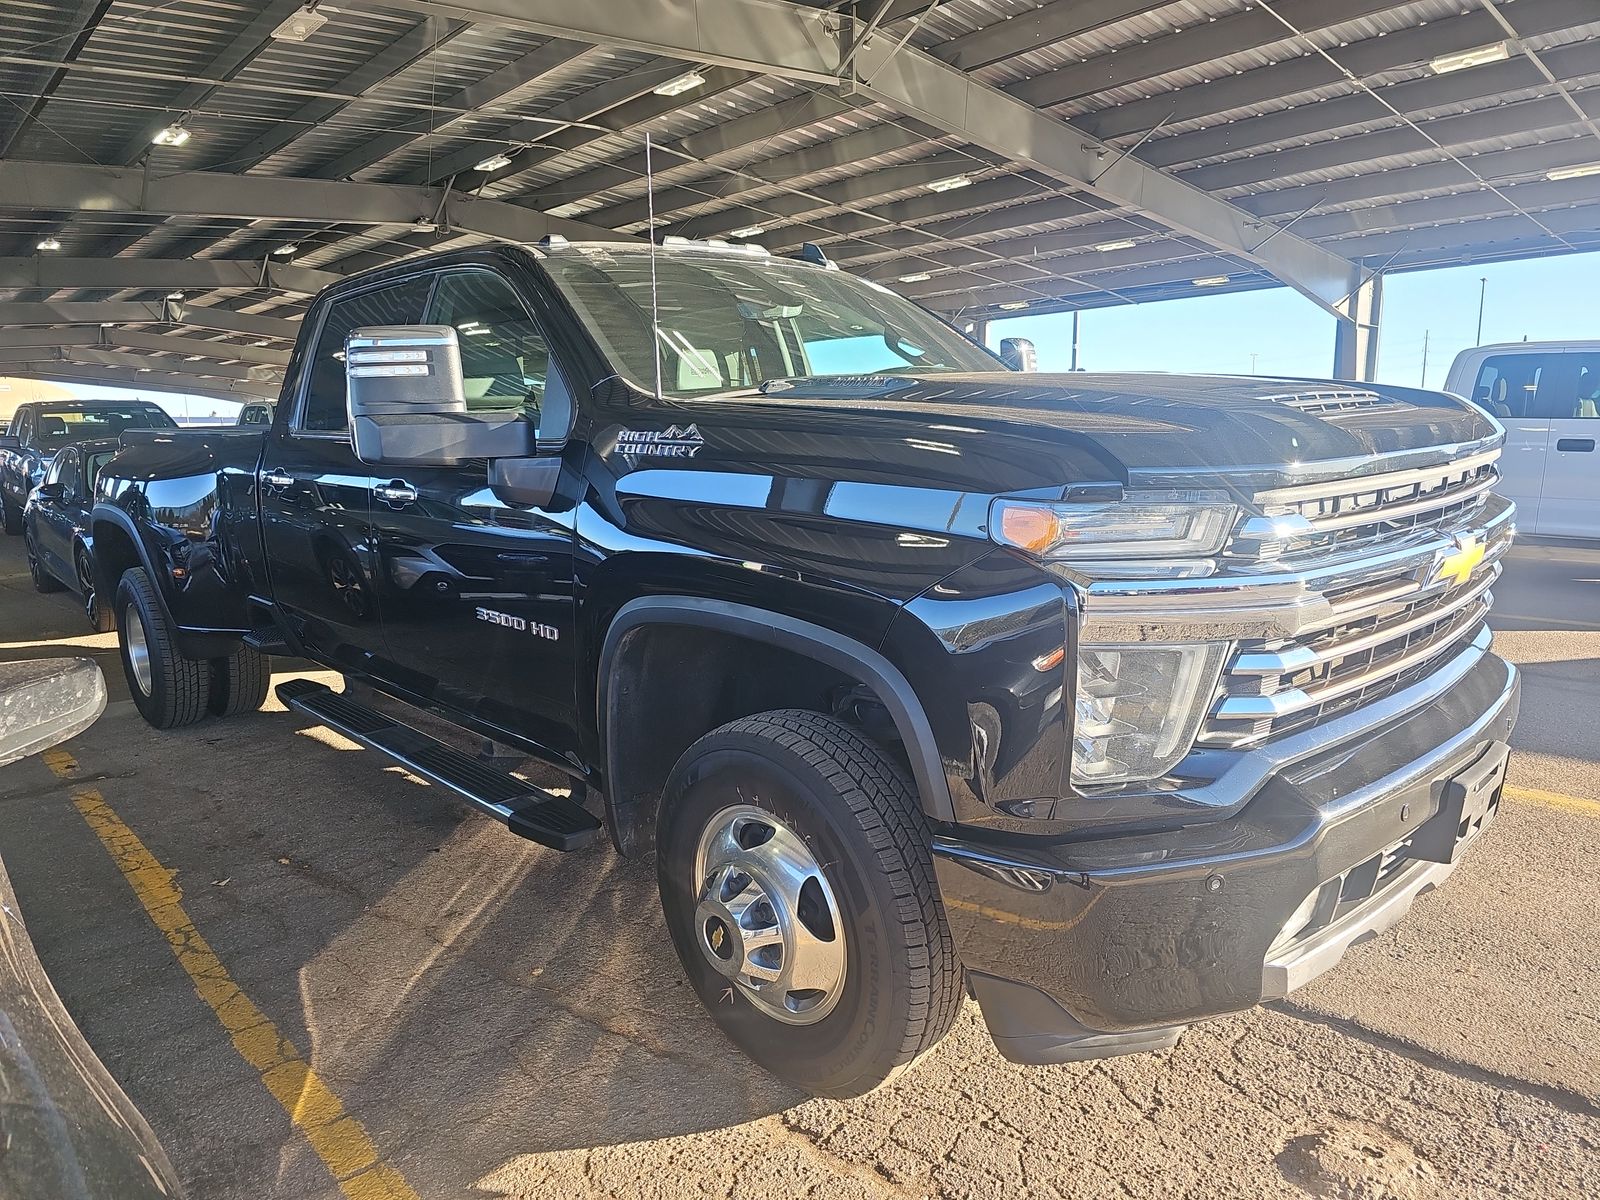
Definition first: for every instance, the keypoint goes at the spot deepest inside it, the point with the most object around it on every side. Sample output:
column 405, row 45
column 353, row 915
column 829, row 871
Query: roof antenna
column 655, row 318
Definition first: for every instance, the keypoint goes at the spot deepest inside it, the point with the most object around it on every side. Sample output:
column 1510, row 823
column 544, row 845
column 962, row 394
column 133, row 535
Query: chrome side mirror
column 1019, row 354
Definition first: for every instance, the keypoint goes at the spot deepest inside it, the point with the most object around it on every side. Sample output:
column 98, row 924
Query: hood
column 1006, row 432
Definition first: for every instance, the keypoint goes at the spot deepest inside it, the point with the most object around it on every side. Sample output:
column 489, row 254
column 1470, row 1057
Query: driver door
column 316, row 494
column 476, row 593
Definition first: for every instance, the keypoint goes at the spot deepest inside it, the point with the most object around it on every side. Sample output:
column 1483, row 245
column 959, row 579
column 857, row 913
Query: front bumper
column 1090, row 948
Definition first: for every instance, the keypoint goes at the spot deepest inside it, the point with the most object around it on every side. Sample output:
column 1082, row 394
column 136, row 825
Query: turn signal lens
column 1031, row 529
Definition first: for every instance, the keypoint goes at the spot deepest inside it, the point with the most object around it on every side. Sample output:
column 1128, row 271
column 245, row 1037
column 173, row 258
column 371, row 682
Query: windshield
column 58, row 427
column 728, row 323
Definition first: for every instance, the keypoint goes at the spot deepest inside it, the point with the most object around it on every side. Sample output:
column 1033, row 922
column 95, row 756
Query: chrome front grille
column 1393, row 615
column 1325, row 517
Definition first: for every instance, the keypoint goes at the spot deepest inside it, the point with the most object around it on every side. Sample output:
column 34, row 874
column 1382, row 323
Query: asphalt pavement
column 318, row 976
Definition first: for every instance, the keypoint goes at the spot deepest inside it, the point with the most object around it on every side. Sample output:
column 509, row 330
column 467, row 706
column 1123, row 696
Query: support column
column 1355, row 340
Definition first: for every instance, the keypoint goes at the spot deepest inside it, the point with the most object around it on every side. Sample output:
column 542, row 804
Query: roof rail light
column 171, row 135
column 680, row 85
column 1577, row 172
column 1478, row 56
column 300, row 25
column 494, row 162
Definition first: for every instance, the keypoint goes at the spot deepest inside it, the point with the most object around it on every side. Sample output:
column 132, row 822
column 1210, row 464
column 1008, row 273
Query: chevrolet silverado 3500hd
column 1118, row 701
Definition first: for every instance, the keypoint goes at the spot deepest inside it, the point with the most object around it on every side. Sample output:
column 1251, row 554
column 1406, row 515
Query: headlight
column 1163, row 525
column 1137, row 708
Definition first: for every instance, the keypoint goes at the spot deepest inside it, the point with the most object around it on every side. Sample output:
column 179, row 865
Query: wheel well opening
column 114, row 552
column 671, row 684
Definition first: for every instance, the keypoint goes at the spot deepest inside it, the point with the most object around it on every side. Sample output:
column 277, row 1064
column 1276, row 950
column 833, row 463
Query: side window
column 25, row 427
column 1587, row 401
column 1508, row 384
column 323, row 408
column 64, row 470
column 505, row 359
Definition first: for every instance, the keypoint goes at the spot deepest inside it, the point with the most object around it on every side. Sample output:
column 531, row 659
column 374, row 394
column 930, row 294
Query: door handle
column 396, row 493
column 1575, row 445
column 277, row 477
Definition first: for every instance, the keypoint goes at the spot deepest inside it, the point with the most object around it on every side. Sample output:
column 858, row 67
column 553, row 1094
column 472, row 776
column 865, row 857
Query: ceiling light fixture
column 680, row 85
column 1013, row 305
column 950, row 184
column 1476, row 57
column 916, row 277
column 1578, row 172
column 49, row 243
column 287, row 250
column 1210, row 281
column 174, row 295
column 300, row 25
column 1119, row 244
column 494, row 162
column 424, row 225
column 746, row 231
column 171, row 135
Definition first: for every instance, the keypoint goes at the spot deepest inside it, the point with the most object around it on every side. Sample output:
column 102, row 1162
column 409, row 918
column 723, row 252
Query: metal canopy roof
column 1020, row 155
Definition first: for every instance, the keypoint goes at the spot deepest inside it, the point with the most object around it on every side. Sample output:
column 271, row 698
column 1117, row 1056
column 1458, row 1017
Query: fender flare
column 113, row 515
column 833, row 649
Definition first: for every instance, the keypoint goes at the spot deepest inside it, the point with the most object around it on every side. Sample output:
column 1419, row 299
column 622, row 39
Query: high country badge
column 672, row 442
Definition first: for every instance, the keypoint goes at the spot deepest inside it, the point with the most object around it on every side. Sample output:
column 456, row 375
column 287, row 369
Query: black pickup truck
column 1118, row 701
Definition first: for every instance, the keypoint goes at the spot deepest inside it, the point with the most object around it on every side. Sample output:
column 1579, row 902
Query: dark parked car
column 39, row 430
column 55, row 526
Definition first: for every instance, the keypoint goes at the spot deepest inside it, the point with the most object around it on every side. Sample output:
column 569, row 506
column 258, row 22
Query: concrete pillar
column 1355, row 340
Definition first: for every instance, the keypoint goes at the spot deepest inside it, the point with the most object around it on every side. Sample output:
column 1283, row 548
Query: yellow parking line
column 1566, row 803
column 338, row 1138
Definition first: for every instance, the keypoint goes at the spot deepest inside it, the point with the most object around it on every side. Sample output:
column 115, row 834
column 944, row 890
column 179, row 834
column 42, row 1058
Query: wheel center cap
column 720, row 939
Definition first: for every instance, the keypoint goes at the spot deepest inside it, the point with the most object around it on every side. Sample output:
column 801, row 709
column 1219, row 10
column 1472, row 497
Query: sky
column 184, row 408
column 1278, row 331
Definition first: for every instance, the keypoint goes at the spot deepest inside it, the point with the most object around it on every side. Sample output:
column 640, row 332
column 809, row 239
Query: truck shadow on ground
column 456, row 986
column 1557, row 717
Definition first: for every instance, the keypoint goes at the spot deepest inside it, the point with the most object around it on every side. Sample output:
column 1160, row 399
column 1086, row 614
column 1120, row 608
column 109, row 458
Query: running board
column 527, row 811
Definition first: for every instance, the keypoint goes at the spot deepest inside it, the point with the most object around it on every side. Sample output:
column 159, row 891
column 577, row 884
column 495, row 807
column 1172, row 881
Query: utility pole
column 1074, row 339
column 1483, row 292
column 1425, row 334
column 1253, row 358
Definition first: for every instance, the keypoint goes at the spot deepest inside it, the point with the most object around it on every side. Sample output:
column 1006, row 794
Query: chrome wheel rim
column 767, row 919
column 138, row 651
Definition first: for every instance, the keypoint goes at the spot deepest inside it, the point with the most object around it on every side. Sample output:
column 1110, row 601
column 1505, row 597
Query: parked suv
column 39, row 429
column 1121, row 701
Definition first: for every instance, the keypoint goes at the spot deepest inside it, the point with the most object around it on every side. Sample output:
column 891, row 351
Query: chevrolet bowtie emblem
column 1457, row 566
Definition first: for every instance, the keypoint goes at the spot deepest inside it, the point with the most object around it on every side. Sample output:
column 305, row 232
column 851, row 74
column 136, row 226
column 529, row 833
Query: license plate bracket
column 1470, row 801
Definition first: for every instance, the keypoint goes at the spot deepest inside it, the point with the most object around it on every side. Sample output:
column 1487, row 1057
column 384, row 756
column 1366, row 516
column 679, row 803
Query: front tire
column 239, row 682
column 797, row 881
column 43, row 581
column 100, row 615
column 168, row 689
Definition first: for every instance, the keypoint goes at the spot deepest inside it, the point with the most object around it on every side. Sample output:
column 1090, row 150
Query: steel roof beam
column 149, row 379
column 1193, row 47
column 804, row 44
column 1525, row 116
column 737, row 134
column 1044, row 26
column 401, row 53
column 111, row 338
column 136, row 312
column 217, row 194
column 1306, row 73
column 491, row 89
column 80, row 27
column 55, row 274
column 92, row 356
